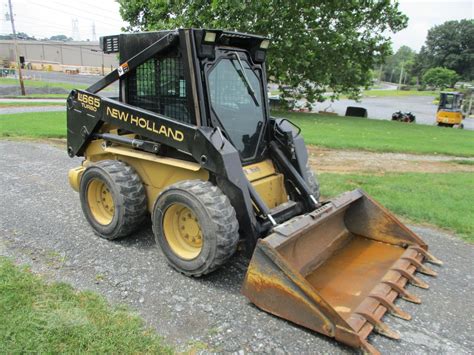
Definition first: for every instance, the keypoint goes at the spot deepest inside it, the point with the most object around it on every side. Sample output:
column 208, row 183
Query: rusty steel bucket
column 339, row 269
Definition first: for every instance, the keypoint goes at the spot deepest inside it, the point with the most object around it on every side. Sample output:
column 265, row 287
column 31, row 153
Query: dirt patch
column 350, row 161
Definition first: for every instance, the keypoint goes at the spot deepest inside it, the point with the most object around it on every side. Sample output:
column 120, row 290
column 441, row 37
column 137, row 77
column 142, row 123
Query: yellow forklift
column 449, row 112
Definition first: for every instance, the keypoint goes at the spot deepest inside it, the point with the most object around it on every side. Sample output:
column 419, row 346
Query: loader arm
column 87, row 112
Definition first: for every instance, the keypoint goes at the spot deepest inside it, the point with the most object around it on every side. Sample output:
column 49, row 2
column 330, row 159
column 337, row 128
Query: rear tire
column 113, row 199
column 196, row 227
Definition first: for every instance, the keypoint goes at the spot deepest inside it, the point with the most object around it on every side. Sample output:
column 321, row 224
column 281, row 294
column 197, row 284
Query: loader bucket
column 339, row 269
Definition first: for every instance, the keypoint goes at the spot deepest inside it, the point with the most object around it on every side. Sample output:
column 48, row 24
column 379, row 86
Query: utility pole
column 17, row 58
column 75, row 29
column 94, row 36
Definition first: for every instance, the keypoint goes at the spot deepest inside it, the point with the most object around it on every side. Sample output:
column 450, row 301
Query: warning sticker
column 123, row 69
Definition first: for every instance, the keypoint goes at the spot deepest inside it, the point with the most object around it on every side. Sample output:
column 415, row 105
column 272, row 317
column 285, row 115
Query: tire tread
column 221, row 213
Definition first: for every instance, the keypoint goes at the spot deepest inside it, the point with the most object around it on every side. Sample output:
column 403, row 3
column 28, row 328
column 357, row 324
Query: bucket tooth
column 415, row 281
column 403, row 293
column 379, row 326
column 420, row 267
column 368, row 348
column 428, row 256
column 339, row 269
column 394, row 310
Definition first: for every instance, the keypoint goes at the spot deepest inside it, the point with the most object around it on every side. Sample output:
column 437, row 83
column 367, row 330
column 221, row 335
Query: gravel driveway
column 41, row 223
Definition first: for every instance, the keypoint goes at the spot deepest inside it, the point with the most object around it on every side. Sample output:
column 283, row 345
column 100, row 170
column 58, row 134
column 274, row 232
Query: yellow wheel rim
column 182, row 231
column 100, row 201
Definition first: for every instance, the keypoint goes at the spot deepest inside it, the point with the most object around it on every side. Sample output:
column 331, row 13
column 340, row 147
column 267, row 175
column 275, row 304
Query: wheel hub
column 101, row 202
column 182, row 231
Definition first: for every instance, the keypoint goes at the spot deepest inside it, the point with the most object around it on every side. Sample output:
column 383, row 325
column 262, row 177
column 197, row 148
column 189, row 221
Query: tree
column 19, row 35
column 440, row 77
column 450, row 45
column 392, row 68
column 63, row 38
column 324, row 44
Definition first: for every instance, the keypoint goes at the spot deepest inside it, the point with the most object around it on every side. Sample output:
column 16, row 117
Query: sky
column 46, row 18
column 424, row 14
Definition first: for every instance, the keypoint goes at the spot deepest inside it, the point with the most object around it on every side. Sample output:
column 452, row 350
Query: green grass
column 327, row 131
column 53, row 318
column 463, row 162
column 36, row 96
column 382, row 136
column 444, row 200
column 30, row 103
column 41, row 83
column 398, row 93
column 34, row 124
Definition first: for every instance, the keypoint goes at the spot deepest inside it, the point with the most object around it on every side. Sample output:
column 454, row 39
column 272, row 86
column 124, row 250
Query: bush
column 440, row 77
column 414, row 81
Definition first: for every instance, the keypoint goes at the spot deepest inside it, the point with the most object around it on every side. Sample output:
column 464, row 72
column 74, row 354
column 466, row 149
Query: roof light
column 265, row 44
column 210, row 37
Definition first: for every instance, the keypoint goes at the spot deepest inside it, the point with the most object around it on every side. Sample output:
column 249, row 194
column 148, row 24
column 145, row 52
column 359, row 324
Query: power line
column 36, row 21
column 94, row 5
column 88, row 11
column 69, row 13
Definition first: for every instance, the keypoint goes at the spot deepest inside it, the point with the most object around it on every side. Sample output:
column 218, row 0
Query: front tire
column 113, row 199
column 195, row 226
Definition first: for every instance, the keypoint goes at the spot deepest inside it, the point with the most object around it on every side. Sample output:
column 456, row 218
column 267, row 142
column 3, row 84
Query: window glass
column 240, row 113
column 159, row 85
column 449, row 101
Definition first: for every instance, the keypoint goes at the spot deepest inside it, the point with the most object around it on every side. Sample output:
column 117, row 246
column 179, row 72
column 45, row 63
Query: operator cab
column 450, row 101
column 221, row 86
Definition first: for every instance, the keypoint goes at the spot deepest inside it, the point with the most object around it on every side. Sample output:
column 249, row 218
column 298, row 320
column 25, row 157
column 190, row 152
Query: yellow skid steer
column 189, row 141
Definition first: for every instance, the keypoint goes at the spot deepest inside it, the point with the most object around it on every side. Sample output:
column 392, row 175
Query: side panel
column 155, row 173
column 268, row 183
column 87, row 113
column 448, row 117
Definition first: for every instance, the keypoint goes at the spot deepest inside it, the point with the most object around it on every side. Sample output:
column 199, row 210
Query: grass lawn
column 387, row 93
column 379, row 135
column 34, row 124
column 444, row 200
column 326, row 131
column 37, row 96
column 27, row 103
column 41, row 83
column 54, row 318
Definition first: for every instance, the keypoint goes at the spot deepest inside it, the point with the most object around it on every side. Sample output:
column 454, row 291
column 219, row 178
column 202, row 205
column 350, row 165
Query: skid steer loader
column 190, row 142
